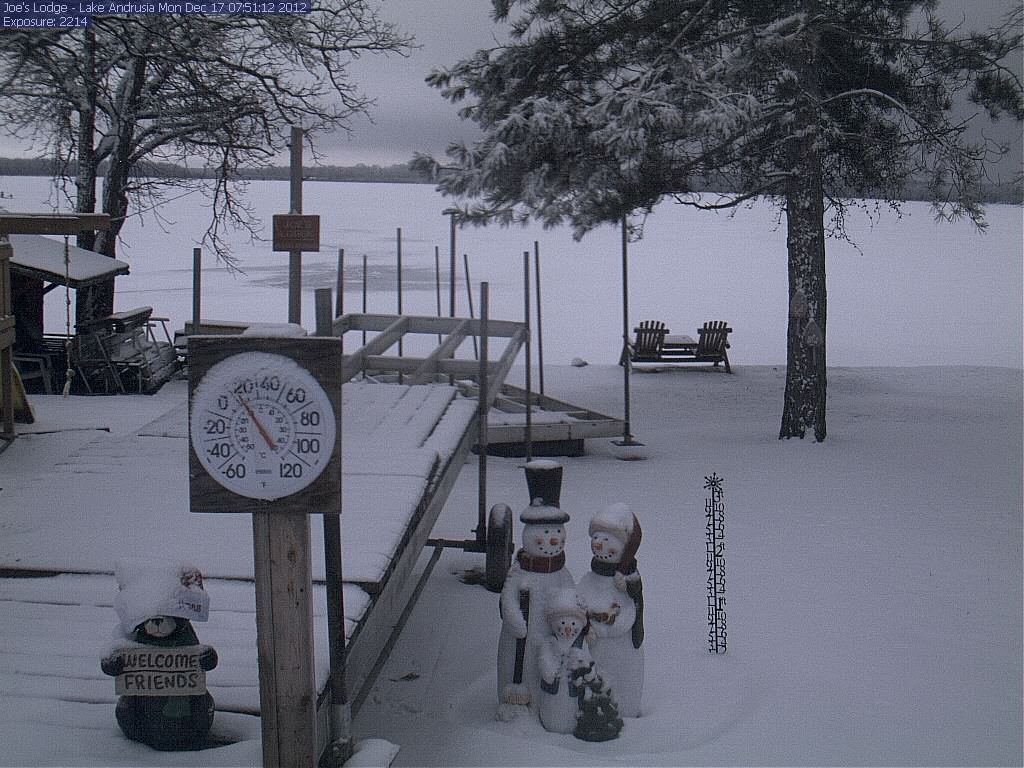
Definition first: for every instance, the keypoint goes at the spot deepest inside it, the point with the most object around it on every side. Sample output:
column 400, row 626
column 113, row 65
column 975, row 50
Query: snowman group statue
column 573, row 653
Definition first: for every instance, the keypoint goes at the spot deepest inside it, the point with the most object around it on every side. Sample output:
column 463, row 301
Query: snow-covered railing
column 392, row 329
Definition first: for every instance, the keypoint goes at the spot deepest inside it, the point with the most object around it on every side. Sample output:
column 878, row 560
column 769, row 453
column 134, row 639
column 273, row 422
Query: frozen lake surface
column 908, row 291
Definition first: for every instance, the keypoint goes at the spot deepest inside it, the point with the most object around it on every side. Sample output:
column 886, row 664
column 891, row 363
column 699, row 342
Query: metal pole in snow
column 469, row 295
column 540, row 334
column 437, row 282
column 197, row 280
column 364, row 295
column 627, row 433
column 451, row 265
column 398, row 240
column 339, row 306
column 295, row 257
column 341, row 714
column 529, row 381
column 481, row 440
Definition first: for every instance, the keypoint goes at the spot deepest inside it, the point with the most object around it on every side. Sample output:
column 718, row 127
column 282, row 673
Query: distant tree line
column 402, row 173
column 399, row 173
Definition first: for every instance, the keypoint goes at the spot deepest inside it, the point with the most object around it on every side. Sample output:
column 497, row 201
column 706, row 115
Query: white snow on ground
column 873, row 581
column 874, row 587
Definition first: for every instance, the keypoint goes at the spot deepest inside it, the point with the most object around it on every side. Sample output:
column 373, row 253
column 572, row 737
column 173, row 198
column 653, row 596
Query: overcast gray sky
column 409, row 116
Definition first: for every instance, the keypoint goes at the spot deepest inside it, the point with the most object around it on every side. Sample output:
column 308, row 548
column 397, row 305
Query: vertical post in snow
column 529, row 380
column 437, row 282
column 284, row 637
column 540, row 334
column 398, row 269
column 483, row 408
column 197, row 287
column 469, row 297
column 341, row 745
column 364, row 295
column 627, row 431
column 451, row 264
column 339, row 285
column 295, row 257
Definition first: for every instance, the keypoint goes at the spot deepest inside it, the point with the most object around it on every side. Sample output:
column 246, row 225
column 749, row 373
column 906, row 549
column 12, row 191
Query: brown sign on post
column 296, row 232
column 161, row 672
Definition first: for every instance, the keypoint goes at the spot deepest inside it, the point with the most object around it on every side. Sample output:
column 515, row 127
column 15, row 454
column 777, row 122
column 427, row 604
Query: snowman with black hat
column 539, row 566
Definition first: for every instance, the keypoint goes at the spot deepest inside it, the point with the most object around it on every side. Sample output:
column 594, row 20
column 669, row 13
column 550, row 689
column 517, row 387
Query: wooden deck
column 556, row 427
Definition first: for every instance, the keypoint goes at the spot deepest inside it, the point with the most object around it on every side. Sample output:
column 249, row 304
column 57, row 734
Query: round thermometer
column 261, row 425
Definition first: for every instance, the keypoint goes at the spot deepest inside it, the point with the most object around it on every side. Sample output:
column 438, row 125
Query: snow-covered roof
column 43, row 257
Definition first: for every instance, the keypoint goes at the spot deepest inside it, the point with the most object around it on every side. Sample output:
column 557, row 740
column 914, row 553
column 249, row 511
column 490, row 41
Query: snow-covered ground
column 874, row 581
column 873, row 586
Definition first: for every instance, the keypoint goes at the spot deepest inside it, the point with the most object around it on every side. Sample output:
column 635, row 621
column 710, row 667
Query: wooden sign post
column 265, row 436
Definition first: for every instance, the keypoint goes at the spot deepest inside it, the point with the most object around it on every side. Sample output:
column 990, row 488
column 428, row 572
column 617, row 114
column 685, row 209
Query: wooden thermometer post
column 265, row 437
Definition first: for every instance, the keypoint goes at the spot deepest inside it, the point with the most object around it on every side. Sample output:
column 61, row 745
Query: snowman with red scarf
column 613, row 593
column 539, row 566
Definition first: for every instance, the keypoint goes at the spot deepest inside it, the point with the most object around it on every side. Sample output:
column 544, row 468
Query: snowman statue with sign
column 613, row 593
column 156, row 656
column 539, row 566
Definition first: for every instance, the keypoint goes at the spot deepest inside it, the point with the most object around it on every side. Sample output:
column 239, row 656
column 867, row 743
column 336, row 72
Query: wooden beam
column 52, row 224
column 357, row 360
column 505, row 363
column 445, row 349
column 421, row 324
column 459, row 368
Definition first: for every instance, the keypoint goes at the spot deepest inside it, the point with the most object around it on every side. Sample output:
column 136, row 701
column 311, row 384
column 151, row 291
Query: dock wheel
column 499, row 546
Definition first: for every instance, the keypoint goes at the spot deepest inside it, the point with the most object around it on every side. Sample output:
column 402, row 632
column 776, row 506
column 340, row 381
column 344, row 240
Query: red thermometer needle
column 262, row 430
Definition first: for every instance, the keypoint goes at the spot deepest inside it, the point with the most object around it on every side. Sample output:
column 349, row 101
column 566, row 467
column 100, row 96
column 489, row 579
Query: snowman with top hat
column 613, row 593
column 539, row 566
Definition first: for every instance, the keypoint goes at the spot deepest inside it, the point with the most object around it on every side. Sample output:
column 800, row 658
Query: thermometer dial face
column 261, row 425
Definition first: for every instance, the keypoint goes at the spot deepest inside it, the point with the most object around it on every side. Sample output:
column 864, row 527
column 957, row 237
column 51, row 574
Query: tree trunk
column 88, row 304
column 804, row 401
column 804, row 404
column 86, row 168
column 99, row 298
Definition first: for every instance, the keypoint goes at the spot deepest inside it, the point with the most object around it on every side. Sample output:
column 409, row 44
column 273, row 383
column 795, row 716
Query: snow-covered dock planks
column 403, row 448
column 37, row 661
column 133, row 489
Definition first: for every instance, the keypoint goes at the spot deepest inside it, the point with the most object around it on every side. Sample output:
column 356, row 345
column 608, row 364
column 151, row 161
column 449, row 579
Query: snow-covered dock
column 83, row 487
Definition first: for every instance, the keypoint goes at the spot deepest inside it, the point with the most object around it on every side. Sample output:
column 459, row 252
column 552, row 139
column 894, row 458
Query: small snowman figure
column 613, row 593
column 162, row 704
column 562, row 659
column 539, row 566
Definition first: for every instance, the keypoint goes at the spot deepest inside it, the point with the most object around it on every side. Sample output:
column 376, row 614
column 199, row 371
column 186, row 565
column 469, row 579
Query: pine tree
column 596, row 110
column 598, row 718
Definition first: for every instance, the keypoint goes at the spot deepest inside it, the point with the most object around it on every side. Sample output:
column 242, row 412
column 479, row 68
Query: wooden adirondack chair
column 713, row 343
column 647, row 346
column 653, row 345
